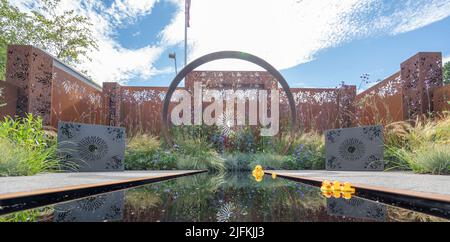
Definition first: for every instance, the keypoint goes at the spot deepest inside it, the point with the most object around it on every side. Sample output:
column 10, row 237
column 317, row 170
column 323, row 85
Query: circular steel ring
column 218, row 56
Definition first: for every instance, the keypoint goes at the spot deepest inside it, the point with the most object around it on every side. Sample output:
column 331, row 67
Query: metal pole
column 176, row 71
column 185, row 33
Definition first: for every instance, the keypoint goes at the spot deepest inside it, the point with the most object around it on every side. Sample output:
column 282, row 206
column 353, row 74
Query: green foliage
column 446, row 72
column 25, row 216
column 198, row 154
column 423, row 148
column 308, row 151
column 238, row 161
column 270, row 161
column 2, row 103
column 144, row 153
column 431, row 158
column 66, row 35
column 26, row 149
column 243, row 140
column 147, row 153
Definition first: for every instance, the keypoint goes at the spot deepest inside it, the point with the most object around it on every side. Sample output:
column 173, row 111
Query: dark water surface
column 219, row 198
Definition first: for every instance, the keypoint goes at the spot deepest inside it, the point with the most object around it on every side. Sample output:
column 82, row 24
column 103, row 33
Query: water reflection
column 104, row 207
column 357, row 208
column 226, row 198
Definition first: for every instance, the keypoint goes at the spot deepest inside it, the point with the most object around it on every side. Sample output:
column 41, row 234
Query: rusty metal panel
column 381, row 103
column 74, row 100
column 17, row 73
column 141, row 109
column 441, row 99
column 317, row 108
column 232, row 80
column 40, row 85
column 420, row 75
column 8, row 99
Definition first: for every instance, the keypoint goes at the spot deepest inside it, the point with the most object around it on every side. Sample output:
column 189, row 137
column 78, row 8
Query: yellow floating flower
column 258, row 168
column 258, row 173
column 346, row 195
column 336, row 189
column 336, row 194
column 336, row 186
column 327, row 194
column 326, row 186
column 347, row 187
column 274, row 175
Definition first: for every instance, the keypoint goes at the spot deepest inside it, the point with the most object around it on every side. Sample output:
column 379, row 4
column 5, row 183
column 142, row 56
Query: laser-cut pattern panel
column 355, row 149
column 91, row 147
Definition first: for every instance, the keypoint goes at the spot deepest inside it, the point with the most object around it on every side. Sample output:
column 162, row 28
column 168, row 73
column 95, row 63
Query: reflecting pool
column 219, row 198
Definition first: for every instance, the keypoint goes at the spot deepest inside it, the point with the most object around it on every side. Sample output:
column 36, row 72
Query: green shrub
column 434, row 159
column 423, row 147
column 144, row 153
column 308, row 152
column 270, row 161
column 198, row 154
column 26, row 149
column 147, row 153
column 243, row 140
column 431, row 158
column 237, row 161
column 32, row 215
column 28, row 131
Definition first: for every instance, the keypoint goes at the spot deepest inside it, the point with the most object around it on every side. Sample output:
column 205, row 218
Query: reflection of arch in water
column 218, row 56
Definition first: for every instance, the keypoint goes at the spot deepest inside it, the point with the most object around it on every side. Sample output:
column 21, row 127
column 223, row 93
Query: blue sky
column 315, row 43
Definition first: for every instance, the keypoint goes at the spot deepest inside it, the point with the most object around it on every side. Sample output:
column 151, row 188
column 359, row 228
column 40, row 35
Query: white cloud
column 285, row 33
column 445, row 59
column 130, row 9
column 112, row 62
column 291, row 32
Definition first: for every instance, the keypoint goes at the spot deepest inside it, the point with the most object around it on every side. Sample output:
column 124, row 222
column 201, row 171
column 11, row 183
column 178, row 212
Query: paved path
column 391, row 180
column 57, row 181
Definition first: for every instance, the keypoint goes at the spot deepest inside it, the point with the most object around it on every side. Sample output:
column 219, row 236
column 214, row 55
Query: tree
column 66, row 35
column 446, row 72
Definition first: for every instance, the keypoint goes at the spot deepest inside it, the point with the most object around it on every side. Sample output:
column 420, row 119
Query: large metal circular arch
column 218, row 56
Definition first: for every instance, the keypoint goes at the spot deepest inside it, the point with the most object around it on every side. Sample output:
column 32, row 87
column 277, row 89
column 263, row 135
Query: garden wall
column 381, row 103
column 405, row 95
column 141, row 108
column 441, row 98
column 317, row 108
column 47, row 87
column 8, row 98
column 40, row 84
